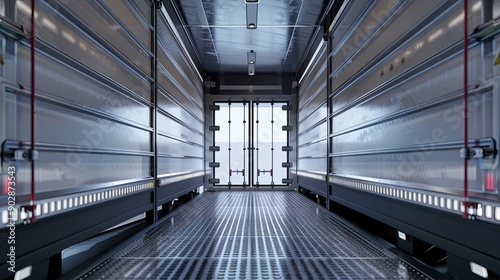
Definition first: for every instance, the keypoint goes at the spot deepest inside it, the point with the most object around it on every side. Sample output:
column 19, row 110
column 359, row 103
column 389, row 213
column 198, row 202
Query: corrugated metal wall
column 312, row 122
column 180, row 110
column 395, row 124
column 396, row 112
column 95, row 107
column 119, row 103
column 93, row 96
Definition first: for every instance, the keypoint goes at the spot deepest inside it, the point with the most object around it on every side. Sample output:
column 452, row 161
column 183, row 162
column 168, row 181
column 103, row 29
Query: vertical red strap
column 32, row 113
column 490, row 181
column 466, row 103
column 5, row 184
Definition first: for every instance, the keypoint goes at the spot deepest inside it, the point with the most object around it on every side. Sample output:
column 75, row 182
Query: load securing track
column 253, row 235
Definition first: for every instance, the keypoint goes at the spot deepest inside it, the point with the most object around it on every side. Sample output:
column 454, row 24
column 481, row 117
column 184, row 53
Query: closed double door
column 251, row 137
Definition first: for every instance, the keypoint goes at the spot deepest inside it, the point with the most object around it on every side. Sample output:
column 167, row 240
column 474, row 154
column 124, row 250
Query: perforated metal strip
column 253, row 235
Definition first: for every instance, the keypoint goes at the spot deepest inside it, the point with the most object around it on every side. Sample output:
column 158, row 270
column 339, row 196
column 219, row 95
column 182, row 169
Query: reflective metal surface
column 218, row 28
column 253, row 235
column 312, row 125
column 402, row 87
column 94, row 80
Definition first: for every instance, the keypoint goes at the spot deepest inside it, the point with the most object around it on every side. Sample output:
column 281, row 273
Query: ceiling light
column 252, row 8
column 251, row 57
column 251, row 69
column 251, row 1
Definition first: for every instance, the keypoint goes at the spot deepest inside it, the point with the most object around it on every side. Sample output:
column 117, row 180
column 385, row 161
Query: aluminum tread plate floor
column 253, row 235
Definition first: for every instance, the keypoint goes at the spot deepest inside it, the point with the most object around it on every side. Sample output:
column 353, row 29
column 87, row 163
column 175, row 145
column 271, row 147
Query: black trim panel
column 171, row 191
column 316, row 186
column 49, row 236
column 471, row 239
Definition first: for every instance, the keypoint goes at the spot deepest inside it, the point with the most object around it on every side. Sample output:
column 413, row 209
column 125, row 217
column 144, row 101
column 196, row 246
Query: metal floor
column 253, row 235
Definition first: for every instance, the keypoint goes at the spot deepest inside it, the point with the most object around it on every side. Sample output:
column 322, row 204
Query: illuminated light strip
column 478, row 270
column 62, row 204
column 484, row 210
column 311, row 175
column 23, row 273
column 177, row 178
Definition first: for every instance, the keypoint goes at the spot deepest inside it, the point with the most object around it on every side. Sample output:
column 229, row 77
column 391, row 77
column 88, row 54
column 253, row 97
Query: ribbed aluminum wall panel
column 312, row 121
column 93, row 104
column 396, row 99
column 180, row 104
column 96, row 105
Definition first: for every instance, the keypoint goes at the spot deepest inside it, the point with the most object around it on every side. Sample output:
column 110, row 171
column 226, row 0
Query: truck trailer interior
column 249, row 139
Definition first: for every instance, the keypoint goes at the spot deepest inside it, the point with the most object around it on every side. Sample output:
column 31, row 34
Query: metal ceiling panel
column 219, row 31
